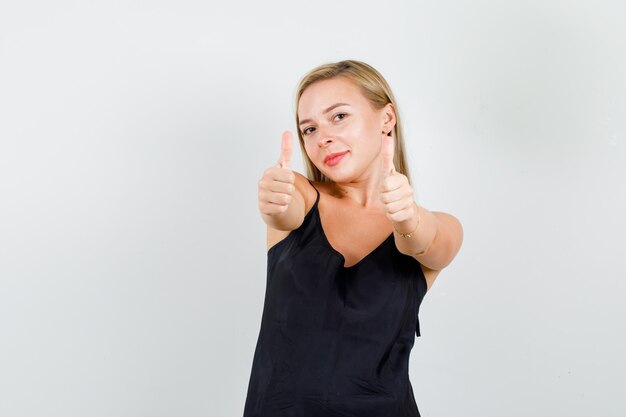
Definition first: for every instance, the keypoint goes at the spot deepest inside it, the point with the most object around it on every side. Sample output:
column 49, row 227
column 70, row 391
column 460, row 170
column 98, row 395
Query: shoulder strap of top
column 317, row 199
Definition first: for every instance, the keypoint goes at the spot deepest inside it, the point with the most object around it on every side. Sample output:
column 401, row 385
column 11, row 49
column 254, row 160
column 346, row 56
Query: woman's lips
column 335, row 159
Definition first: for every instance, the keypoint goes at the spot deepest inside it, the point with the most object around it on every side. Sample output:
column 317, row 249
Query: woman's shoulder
column 307, row 190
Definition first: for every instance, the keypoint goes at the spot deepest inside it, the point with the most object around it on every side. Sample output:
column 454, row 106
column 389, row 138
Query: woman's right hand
column 277, row 184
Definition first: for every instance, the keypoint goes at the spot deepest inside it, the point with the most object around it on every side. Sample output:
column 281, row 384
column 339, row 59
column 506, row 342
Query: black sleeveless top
column 335, row 340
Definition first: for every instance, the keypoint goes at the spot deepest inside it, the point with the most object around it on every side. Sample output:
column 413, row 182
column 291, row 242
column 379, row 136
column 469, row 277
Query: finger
column 272, row 208
column 283, row 175
column 286, row 149
column 401, row 206
column 395, row 189
column 388, row 149
column 277, row 198
column 281, row 186
column 272, row 197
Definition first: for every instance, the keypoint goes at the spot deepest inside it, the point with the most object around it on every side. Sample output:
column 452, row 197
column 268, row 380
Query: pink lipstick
column 334, row 158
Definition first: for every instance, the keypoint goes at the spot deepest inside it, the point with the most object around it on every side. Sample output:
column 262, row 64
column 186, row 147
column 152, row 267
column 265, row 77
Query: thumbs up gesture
column 396, row 193
column 277, row 184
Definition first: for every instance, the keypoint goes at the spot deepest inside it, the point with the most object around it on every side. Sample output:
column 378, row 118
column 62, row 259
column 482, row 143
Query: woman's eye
column 305, row 131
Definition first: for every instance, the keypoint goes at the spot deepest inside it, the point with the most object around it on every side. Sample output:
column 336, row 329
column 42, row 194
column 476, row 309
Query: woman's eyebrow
column 325, row 111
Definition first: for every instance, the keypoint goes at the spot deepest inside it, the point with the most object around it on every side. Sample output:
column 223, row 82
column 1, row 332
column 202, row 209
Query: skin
column 365, row 187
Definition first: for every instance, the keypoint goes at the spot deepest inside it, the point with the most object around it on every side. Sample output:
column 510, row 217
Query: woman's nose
column 325, row 141
column 324, row 136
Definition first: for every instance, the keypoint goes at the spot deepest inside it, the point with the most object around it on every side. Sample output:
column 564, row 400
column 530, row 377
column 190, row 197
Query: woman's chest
column 354, row 233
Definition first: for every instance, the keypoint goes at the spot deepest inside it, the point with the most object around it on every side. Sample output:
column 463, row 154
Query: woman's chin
column 339, row 177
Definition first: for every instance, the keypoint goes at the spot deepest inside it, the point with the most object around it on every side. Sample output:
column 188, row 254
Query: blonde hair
column 374, row 88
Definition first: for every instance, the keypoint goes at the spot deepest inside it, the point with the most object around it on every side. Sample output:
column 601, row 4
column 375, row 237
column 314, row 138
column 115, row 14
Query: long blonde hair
column 374, row 88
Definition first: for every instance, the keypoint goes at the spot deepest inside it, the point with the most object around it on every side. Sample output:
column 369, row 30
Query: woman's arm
column 433, row 238
column 294, row 216
column 436, row 241
column 281, row 200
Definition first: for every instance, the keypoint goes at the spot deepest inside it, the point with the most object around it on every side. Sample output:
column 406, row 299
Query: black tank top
column 335, row 340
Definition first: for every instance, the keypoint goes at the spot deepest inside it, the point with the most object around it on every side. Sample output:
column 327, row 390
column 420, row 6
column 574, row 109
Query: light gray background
column 132, row 252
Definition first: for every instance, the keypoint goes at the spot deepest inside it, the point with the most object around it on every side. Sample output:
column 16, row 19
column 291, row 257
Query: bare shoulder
column 306, row 193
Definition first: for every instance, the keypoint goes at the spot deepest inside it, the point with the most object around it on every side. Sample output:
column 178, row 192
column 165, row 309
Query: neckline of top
column 330, row 246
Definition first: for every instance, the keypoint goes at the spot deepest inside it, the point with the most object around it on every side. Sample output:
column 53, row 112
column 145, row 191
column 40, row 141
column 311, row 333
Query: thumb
column 286, row 149
column 388, row 150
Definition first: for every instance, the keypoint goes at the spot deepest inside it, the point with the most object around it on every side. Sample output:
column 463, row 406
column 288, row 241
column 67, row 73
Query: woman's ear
column 389, row 118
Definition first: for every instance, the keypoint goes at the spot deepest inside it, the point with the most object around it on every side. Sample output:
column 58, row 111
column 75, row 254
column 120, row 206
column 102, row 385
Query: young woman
column 350, row 257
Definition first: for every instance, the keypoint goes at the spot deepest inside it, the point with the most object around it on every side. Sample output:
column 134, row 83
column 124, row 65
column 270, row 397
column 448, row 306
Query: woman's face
column 352, row 129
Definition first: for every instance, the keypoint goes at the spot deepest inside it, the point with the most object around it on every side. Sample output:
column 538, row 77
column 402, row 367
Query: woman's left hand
column 396, row 193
